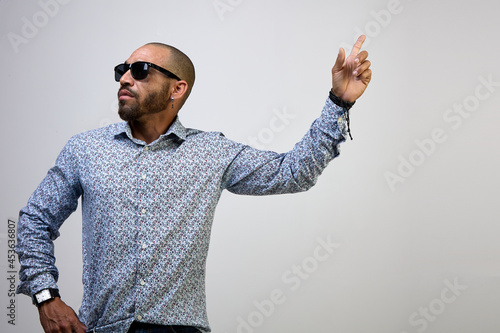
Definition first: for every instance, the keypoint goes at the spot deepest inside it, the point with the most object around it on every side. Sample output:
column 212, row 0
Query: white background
column 401, row 241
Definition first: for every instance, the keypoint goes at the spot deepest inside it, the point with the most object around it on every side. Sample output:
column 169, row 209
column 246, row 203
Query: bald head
column 178, row 63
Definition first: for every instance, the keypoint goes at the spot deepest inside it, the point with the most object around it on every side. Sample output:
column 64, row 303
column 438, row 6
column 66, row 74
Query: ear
column 179, row 89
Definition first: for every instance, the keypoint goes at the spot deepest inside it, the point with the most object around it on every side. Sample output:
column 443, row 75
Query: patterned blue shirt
column 147, row 214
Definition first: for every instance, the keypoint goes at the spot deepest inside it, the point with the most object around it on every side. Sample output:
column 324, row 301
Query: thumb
column 339, row 63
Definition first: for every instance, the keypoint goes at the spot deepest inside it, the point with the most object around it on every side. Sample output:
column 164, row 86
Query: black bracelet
column 343, row 104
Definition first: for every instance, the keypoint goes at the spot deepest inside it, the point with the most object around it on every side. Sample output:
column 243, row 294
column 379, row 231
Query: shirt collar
column 176, row 129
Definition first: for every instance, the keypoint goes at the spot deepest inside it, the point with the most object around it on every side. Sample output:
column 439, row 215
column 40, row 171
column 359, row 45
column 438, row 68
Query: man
column 149, row 188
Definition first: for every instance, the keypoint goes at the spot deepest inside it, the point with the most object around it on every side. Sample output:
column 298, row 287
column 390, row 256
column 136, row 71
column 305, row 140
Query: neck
column 150, row 127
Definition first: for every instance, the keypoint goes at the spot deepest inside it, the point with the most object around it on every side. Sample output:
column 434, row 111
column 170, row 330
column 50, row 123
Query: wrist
column 340, row 102
column 45, row 295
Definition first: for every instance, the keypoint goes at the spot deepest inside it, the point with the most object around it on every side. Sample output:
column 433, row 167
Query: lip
column 125, row 94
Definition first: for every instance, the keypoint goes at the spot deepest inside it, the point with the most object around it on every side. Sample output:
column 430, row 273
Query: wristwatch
column 45, row 295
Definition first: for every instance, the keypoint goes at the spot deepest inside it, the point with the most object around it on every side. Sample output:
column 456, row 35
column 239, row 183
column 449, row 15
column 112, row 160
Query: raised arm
column 259, row 172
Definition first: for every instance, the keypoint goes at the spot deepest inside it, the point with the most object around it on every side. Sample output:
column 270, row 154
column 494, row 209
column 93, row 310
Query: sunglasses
column 140, row 70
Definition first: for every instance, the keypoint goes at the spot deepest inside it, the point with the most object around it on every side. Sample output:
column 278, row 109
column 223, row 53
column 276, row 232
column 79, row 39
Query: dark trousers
column 153, row 328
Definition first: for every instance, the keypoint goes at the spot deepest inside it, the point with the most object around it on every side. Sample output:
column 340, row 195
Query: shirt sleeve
column 258, row 172
column 39, row 222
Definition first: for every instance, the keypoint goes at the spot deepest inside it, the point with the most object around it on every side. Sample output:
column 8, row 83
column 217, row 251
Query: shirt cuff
column 343, row 121
column 41, row 282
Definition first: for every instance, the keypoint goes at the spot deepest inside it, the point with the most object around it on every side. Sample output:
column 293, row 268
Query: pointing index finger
column 357, row 45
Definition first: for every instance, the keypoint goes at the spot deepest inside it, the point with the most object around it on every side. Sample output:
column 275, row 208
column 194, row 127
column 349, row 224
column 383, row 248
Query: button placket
column 143, row 208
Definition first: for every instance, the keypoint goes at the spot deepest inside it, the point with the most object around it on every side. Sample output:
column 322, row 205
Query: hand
column 351, row 76
column 57, row 317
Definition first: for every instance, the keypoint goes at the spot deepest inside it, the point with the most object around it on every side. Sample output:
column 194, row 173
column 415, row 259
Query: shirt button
column 146, row 148
column 139, row 317
column 143, row 176
column 142, row 282
column 143, row 211
column 144, row 246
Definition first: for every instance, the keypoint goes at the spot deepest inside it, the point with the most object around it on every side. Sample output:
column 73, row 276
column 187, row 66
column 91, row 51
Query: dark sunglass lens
column 139, row 70
column 119, row 71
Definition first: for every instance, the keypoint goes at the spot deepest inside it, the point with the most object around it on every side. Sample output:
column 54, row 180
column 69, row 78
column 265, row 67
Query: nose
column 127, row 79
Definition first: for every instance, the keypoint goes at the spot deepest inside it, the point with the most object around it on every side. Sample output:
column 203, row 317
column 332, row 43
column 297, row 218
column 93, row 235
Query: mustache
column 133, row 93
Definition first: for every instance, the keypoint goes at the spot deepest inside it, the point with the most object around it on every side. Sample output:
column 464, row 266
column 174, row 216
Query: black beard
column 154, row 102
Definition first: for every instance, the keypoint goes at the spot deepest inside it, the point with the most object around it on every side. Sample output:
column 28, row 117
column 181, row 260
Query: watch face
column 43, row 296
